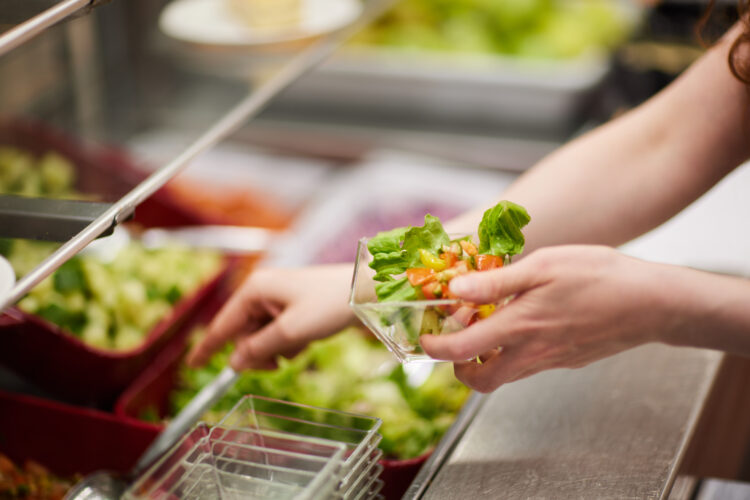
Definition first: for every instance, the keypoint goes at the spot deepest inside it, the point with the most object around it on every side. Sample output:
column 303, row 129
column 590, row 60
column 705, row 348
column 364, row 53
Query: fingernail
column 461, row 285
column 236, row 359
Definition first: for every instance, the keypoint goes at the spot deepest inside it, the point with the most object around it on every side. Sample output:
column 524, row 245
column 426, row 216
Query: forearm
column 637, row 171
column 707, row 310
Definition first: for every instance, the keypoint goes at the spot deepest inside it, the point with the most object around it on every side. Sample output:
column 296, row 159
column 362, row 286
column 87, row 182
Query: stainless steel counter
column 618, row 428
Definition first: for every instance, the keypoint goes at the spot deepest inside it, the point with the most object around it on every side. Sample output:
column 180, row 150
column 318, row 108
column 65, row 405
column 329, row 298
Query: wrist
column 705, row 309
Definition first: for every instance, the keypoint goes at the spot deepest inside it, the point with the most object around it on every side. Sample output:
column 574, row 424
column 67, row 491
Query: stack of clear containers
column 266, row 448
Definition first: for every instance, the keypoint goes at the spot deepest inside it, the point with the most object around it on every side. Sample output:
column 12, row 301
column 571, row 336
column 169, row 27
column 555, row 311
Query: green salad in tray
column 401, row 287
column 352, row 372
column 533, row 29
column 111, row 303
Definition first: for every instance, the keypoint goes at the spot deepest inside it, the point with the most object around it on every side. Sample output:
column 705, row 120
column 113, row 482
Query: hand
column 278, row 312
column 573, row 305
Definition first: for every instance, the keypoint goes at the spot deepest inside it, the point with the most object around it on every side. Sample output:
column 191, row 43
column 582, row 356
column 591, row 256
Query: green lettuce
column 430, row 237
column 500, row 230
column 395, row 291
column 397, row 250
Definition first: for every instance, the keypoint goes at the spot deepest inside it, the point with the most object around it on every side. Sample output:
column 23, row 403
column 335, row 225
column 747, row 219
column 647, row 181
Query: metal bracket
column 48, row 219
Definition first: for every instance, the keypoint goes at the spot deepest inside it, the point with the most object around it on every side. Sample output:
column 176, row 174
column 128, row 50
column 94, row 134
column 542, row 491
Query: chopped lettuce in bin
column 350, row 372
column 110, row 305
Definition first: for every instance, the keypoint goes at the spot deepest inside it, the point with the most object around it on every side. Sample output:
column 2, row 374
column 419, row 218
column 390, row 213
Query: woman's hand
column 278, row 312
column 573, row 305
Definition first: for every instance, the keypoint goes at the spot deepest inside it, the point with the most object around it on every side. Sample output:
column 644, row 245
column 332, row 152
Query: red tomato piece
column 465, row 315
column 487, row 262
column 420, row 275
column 432, row 290
column 450, row 258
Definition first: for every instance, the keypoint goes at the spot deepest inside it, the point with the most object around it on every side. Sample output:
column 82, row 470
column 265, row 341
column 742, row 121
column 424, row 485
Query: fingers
column 244, row 311
column 503, row 366
column 259, row 351
column 494, row 286
column 485, row 335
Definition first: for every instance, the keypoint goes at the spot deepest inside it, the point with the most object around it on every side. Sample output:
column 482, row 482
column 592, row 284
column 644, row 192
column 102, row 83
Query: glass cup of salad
column 401, row 284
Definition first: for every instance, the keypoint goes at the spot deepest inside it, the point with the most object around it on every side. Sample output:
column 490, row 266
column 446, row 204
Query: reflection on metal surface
column 37, row 24
column 45, row 218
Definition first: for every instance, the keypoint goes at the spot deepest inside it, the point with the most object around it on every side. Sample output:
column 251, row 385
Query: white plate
column 7, row 277
column 211, row 22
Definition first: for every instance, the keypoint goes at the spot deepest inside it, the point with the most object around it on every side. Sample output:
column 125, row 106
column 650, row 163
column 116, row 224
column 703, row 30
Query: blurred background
column 433, row 106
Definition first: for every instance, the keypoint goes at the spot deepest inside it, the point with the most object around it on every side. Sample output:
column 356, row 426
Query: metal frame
column 29, row 29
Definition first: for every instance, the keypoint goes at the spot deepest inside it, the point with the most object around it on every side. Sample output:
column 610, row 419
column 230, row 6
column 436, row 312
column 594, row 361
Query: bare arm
column 630, row 175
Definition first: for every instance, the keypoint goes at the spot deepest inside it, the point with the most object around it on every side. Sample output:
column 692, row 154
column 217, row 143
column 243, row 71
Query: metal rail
column 37, row 24
column 442, row 451
column 247, row 108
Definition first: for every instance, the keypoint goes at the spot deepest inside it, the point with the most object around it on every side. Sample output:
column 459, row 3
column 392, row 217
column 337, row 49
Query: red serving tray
column 57, row 361
column 152, row 388
column 69, row 440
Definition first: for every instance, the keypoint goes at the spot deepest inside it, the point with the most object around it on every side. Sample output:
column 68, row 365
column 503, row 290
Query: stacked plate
column 266, row 448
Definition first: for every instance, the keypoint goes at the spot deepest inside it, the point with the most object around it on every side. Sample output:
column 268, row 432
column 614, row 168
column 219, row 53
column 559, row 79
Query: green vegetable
column 387, row 241
column 6, row 246
column 348, row 372
column 388, row 263
column 395, row 291
column 430, row 237
column 394, row 251
column 70, row 276
column 114, row 305
column 500, row 229
column 111, row 305
column 539, row 29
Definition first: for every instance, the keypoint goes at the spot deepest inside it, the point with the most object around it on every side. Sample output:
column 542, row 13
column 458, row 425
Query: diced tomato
column 447, row 294
column 487, row 262
column 432, row 290
column 469, row 247
column 465, row 315
column 450, row 258
column 420, row 275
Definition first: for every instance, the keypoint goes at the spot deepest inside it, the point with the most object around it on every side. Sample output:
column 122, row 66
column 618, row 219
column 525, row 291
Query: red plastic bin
column 69, row 440
column 55, row 360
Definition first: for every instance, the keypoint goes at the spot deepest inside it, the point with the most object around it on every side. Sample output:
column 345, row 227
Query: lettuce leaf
column 430, row 237
column 395, row 291
column 387, row 241
column 500, row 230
column 395, row 251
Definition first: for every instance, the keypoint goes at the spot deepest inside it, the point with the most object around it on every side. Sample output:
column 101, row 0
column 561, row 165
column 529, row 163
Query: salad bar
column 95, row 330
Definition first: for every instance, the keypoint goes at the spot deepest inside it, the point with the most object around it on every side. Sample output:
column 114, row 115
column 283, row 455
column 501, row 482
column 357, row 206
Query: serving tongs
column 107, row 485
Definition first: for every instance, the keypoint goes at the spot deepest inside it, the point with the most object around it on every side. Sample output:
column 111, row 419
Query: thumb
column 492, row 286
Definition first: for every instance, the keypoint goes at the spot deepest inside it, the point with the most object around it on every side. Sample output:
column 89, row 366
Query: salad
column 535, row 29
column 32, row 481
column 418, row 263
column 109, row 304
column 349, row 371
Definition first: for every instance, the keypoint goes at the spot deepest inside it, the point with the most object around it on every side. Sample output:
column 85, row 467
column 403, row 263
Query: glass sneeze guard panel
column 90, row 87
